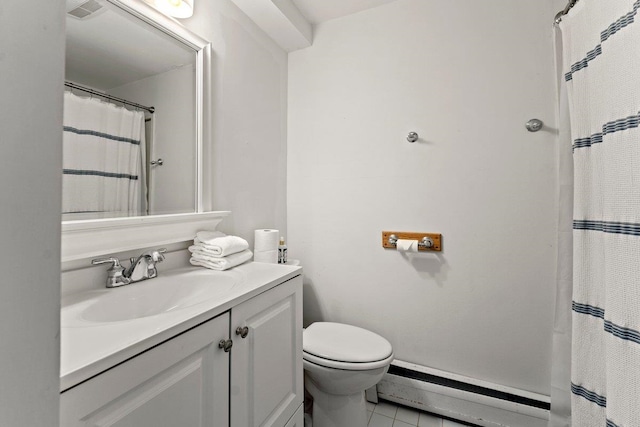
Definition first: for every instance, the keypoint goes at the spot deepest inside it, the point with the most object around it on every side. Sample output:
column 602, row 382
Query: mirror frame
column 83, row 239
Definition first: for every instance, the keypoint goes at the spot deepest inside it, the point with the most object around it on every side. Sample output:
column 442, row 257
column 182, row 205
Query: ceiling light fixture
column 176, row 8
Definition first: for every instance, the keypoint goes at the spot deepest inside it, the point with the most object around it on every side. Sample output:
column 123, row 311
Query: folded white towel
column 223, row 246
column 206, row 236
column 218, row 244
column 217, row 263
column 215, row 252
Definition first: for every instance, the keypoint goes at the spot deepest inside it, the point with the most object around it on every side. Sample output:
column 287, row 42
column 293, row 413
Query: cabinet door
column 182, row 382
column 297, row 420
column 266, row 365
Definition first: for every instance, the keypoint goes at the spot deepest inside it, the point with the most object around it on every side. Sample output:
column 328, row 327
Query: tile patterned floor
column 387, row 414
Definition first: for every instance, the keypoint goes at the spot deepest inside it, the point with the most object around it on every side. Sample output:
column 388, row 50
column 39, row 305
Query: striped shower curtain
column 601, row 55
column 103, row 159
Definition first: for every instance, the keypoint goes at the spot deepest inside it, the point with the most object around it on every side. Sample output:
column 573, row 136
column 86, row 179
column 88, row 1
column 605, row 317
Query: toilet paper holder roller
column 427, row 242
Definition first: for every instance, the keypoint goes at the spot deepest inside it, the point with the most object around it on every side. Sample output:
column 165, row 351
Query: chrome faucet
column 141, row 268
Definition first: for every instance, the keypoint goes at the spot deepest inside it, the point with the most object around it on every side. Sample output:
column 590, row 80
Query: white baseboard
column 479, row 407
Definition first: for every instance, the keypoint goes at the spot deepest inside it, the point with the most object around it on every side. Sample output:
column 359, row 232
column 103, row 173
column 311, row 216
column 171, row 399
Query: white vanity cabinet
column 298, row 419
column 182, row 382
column 266, row 365
column 189, row 381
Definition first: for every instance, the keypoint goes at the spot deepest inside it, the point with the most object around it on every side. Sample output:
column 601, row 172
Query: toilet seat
column 347, row 366
column 340, row 346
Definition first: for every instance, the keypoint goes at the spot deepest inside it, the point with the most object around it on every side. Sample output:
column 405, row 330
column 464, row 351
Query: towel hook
column 412, row 137
column 534, row 125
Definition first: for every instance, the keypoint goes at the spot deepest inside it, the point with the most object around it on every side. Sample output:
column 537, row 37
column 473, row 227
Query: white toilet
column 340, row 363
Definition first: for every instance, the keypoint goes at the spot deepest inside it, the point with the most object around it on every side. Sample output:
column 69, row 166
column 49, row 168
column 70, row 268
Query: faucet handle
column 156, row 255
column 115, row 273
column 116, row 262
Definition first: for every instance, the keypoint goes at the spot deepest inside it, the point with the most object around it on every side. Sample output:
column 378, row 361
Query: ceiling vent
column 82, row 8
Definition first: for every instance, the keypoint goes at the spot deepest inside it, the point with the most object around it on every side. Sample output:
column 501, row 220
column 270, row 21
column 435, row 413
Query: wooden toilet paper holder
column 427, row 242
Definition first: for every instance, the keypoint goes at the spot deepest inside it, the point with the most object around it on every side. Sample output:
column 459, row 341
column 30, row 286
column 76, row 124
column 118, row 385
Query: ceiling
column 290, row 22
column 107, row 49
column 318, row 11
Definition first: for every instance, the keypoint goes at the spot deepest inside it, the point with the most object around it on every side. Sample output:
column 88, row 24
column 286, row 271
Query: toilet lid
column 345, row 343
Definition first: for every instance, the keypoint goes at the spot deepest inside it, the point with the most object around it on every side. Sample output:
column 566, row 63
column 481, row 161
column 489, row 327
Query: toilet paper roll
column 266, row 256
column 404, row 245
column 266, row 240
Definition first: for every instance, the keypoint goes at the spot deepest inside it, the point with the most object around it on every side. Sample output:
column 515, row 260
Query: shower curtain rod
column 564, row 11
column 112, row 98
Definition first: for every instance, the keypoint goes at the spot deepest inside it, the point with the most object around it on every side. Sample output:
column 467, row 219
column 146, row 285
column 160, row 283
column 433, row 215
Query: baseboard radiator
column 461, row 398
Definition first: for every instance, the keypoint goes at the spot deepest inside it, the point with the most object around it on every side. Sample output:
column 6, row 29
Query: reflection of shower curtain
column 601, row 50
column 103, row 158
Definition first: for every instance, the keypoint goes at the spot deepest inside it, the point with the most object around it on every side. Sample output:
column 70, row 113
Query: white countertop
column 91, row 347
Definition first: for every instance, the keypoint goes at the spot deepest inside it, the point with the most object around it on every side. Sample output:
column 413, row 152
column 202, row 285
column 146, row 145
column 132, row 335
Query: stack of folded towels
column 217, row 251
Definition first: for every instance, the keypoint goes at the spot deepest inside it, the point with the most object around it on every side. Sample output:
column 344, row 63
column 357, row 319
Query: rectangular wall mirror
column 130, row 128
column 136, row 123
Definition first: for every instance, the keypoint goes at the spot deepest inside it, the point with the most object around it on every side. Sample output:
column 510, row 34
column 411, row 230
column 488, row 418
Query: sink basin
column 157, row 296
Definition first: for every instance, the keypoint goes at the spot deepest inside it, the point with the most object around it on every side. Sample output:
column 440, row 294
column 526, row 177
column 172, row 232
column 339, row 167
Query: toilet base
column 330, row 410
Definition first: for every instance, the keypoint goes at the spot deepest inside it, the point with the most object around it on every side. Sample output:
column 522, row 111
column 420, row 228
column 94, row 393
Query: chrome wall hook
column 534, row 125
column 412, row 137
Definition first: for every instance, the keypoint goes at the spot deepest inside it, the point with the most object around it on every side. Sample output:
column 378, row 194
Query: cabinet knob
column 242, row 331
column 225, row 345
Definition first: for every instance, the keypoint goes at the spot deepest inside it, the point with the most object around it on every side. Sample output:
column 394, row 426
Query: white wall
column 249, row 126
column 31, row 66
column 466, row 76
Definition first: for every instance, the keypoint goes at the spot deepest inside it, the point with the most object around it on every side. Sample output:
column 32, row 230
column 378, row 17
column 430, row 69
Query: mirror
column 124, row 62
column 130, row 141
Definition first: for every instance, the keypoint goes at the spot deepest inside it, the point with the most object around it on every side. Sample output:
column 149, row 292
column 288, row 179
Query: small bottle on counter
column 282, row 252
